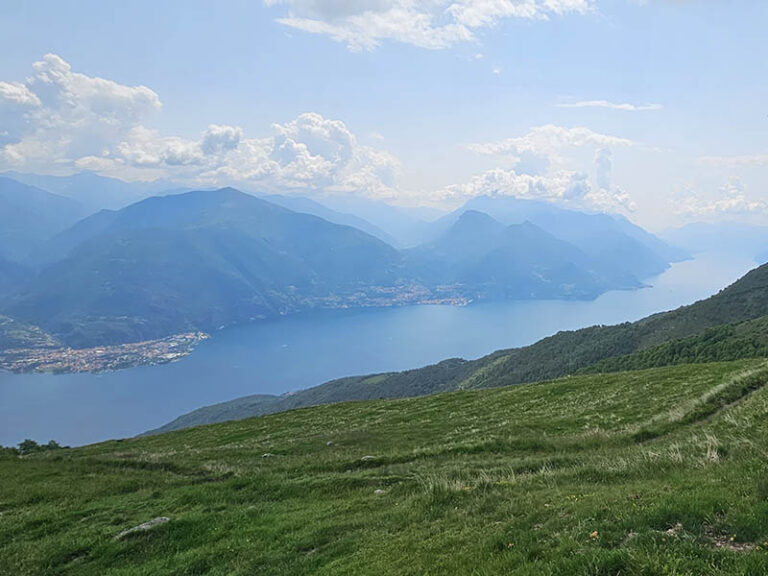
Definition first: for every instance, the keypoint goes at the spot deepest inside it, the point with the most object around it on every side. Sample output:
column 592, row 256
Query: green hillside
column 196, row 261
column 641, row 473
column 559, row 355
column 727, row 342
column 15, row 334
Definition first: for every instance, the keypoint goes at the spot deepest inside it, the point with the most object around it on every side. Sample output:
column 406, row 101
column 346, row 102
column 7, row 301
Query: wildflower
column 594, row 535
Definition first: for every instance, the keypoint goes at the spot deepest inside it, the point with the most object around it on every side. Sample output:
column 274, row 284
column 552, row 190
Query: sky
column 655, row 109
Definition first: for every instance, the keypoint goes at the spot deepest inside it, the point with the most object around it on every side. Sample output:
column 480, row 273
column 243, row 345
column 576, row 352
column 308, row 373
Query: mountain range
column 473, row 251
column 620, row 247
column 199, row 260
column 196, row 261
column 92, row 191
column 29, row 216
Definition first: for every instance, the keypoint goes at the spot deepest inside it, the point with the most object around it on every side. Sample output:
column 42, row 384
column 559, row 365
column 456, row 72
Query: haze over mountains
column 472, row 250
column 92, row 191
column 725, row 237
column 30, row 215
column 611, row 240
column 199, row 260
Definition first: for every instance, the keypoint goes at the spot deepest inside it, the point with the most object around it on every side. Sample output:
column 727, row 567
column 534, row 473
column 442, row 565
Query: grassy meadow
column 655, row 472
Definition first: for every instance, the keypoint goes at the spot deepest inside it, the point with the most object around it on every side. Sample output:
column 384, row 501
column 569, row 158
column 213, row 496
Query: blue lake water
column 308, row 349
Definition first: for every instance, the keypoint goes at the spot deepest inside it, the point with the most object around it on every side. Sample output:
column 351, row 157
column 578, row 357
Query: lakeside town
column 36, row 351
column 100, row 358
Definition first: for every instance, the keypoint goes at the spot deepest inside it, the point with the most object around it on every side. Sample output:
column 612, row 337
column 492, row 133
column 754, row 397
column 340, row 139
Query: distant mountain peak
column 477, row 217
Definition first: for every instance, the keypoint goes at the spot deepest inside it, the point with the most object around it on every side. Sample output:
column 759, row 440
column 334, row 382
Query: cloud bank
column 61, row 121
column 58, row 120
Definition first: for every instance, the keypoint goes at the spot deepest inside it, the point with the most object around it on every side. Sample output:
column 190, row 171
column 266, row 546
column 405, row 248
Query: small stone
column 675, row 530
column 329, row 443
column 379, row 491
column 143, row 527
column 267, row 455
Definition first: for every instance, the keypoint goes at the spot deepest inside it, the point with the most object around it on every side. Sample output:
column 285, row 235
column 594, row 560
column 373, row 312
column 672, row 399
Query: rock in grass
column 267, row 455
column 155, row 522
column 379, row 491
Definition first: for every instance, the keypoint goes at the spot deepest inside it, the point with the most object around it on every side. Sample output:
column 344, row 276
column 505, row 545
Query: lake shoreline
column 100, row 359
column 299, row 351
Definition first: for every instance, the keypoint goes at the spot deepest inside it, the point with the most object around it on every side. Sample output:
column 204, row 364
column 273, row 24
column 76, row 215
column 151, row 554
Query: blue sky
column 657, row 109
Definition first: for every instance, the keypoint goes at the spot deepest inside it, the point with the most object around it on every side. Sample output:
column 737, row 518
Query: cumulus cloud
column 547, row 140
column 538, row 159
column 218, row 139
column 603, row 168
column 310, row 154
column 610, row 105
column 16, row 93
column 432, row 24
column 566, row 188
column 731, row 199
column 62, row 121
column 57, row 114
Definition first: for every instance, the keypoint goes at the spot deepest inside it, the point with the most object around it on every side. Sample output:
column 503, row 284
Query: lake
column 307, row 349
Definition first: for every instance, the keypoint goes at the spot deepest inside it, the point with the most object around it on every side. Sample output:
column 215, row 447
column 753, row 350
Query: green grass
column 663, row 471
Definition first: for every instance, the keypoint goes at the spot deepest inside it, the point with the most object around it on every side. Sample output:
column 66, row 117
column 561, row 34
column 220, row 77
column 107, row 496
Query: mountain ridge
column 200, row 260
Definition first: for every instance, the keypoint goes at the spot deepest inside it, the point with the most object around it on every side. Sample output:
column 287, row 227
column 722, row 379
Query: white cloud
column 610, row 105
column 730, row 200
column 60, row 121
column 18, row 94
column 219, row 139
column 548, row 140
column 146, row 148
column 310, row 154
column 566, row 188
column 63, row 121
column 56, row 115
column 538, row 157
column 603, row 168
column 432, row 24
